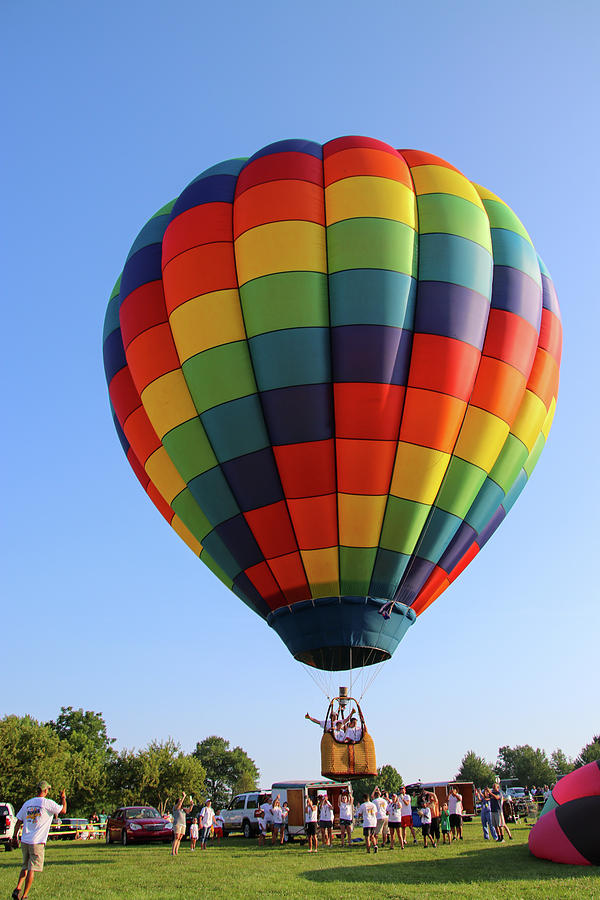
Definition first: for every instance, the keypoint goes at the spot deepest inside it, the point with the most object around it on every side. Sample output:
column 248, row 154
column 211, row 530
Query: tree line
column 75, row 752
column 528, row 765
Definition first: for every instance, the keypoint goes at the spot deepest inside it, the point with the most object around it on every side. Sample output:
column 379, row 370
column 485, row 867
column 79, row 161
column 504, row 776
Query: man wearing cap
column 353, row 731
column 35, row 817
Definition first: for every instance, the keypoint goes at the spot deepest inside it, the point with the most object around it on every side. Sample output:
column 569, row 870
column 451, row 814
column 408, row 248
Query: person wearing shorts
column 406, row 820
column 278, row 822
column 425, row 814
column 434, row 805
column 381, row 802
column 368, row 811
column 445, row 825
column 326, row 820
column 179, row 823
column 394, row 812
column 35, row 817
column 455, row 810
column 310, row 825
column 496, row 799
column 346, row 817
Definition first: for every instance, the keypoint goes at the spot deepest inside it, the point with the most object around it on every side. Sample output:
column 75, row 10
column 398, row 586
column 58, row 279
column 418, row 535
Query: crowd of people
column 206, row 823
column 385, row 817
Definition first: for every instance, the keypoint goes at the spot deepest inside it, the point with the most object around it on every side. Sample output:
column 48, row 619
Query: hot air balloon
column 333, row 368
column 567, row 828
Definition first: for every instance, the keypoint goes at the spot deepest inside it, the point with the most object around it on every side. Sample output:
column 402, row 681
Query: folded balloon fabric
column 568, row 830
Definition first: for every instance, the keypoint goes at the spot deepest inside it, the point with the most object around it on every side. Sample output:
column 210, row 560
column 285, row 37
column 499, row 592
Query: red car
column 136, row 824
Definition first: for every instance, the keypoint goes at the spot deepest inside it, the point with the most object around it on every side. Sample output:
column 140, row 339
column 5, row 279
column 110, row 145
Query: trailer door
column 295, row 799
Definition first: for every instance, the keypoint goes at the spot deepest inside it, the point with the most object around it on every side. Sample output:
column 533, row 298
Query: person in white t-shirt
column 326, row 819
column 455, row 809
column 425, row 814
column 368, row 811
column 346, row 817
column 267, row 809
column 35, row 817
column 207, row 820
column 325, row 724
column 278, row 821
column 194, row 833
column 381, row 802
column 310, row 825
column 394, row 812
column 353, row 731
column 339, row 732
column 407, row 819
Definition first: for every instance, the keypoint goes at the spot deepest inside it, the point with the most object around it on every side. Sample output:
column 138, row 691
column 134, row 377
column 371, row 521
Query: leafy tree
column 227, row 771
column 388, row 779
column 91, row 753
column 589, row 753
column 476, row 769
column 528, row 766
column 561, row 764
column 156, row 775
column 84, row 731
column 31, row 752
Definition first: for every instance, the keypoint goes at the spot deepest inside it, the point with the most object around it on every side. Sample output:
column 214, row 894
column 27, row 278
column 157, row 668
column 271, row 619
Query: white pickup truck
column 8, row 820
column 239, row 815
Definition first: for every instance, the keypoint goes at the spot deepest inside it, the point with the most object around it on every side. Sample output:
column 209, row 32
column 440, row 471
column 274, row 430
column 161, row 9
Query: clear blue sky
column 109, row 111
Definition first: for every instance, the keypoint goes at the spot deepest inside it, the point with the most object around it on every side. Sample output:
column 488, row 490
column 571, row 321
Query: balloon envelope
column 333, row 369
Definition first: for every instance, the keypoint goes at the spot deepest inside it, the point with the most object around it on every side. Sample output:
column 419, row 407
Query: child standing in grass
column 219, row 825
column 445, row 825
column 193, row 833
column 425, row 814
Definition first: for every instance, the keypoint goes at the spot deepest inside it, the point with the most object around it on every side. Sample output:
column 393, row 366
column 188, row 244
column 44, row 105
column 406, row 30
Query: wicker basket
column 342, row 761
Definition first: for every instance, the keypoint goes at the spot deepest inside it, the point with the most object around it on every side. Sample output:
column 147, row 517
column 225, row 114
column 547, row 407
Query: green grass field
column 473, row 868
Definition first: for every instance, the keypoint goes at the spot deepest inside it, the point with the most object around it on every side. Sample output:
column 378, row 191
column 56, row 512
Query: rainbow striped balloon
column 333, row 368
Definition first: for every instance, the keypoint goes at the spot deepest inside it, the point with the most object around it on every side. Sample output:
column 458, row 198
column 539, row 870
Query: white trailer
column 296, row 792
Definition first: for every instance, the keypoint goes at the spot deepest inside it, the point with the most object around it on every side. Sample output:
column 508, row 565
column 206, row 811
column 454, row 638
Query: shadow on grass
column 480, row 866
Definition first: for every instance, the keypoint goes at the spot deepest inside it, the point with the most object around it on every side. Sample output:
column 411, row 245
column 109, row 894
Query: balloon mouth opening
column 340, row 633
column 339, row 659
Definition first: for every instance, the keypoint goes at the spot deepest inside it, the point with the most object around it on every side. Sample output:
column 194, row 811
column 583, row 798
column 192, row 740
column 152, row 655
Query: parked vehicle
column 8, row 820
column 134, row 824
column 296, row 792
column 68, row 829
column 517, row 793
column 442, row 789
column 239, row 815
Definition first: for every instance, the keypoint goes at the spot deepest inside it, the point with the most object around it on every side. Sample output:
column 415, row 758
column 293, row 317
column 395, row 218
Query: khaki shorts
column 179, row 829
column 33, row 857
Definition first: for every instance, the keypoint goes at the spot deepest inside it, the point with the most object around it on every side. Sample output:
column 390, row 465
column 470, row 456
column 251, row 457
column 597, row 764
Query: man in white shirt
column 267, row 816
column 35, row 817
column 207, row 819
column 353, row 731
column 381, row 802
column 368, row 811
column 407, row 819
column 455, row 812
